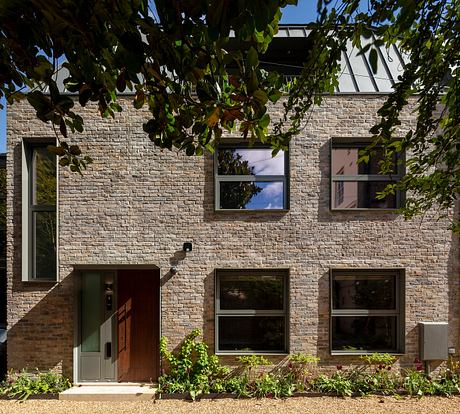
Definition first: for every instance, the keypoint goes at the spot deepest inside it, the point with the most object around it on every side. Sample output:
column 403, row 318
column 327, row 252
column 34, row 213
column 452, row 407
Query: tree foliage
column 180, row 60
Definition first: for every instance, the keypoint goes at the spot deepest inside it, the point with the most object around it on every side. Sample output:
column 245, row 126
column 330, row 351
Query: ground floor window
column 251, row 311
column 367, row 311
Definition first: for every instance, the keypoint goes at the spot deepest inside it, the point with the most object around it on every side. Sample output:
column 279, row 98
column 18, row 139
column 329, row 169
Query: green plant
column 273, row 386
column 300, row 366
column 376, row 358
column 249, row 362
column 337, row 384
column 24, row 384
column 191, row 368
column 376, row 375
column 238, row 385
column 417, row 383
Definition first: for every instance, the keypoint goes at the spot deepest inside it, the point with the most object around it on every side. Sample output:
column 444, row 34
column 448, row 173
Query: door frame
column 78, row 270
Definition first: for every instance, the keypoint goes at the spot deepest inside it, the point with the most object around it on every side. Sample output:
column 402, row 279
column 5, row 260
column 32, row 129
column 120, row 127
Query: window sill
column 235, row 353
column 391, row 210
column 40, row 281
column 359, row 353
column 264, row 211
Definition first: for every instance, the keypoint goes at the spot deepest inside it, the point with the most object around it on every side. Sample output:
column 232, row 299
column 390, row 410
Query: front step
column 112, row 392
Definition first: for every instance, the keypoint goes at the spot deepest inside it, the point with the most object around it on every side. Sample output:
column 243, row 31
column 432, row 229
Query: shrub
column 249, row 362
column 24, row 384
column 300, row 365
column 191, row 369
column 272, row 385
column 337, row 384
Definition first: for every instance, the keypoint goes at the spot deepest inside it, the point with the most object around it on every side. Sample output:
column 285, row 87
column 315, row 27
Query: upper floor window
column 357, row 185
column 39, row 212
column 250, row 179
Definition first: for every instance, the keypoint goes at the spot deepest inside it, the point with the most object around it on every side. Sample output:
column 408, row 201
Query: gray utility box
column 433, row 341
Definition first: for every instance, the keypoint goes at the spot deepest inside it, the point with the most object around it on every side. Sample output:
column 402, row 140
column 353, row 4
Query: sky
column 303, row 13
column 262, row 163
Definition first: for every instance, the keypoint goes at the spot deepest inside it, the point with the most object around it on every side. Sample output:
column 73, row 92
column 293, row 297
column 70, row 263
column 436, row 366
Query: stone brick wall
column 137, row 205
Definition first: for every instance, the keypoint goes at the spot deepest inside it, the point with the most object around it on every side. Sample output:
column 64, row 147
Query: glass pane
column 252, row 195
column 44, row 236
column 252, row 333
column 90, row 312
column 44, row 177
column 252, row 292
column 361, row 194
column 345, row 162
column 361, row 292
column 370, row 333
column 250, row 161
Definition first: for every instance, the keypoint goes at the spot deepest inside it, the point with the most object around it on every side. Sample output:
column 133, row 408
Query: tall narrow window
column 39, row 213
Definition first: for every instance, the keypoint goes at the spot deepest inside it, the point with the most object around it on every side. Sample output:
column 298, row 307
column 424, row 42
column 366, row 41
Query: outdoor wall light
column 187, row 247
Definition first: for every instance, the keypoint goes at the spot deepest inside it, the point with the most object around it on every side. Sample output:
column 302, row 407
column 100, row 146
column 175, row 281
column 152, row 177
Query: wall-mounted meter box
column 433, row 341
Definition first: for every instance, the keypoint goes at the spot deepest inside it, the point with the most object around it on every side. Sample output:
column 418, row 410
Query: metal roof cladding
column 356, row 75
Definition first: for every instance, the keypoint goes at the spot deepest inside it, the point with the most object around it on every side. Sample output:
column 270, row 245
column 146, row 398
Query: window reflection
column 250, row 161
column 361, row 194
column 354, row 292
column 252, row 292
column 370, row 333
column 44, row 177
column 252, row 195
column 345, row 162
column 258, row 333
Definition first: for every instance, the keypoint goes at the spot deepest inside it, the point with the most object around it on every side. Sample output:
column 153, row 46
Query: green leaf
column 373, row 60
column 252, row 58
column 264, row 121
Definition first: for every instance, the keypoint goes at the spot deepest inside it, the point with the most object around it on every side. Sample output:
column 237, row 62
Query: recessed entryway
column 118, row 325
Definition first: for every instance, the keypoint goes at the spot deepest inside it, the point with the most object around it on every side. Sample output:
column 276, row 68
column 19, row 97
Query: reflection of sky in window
column 262, row 161
column 271, row 196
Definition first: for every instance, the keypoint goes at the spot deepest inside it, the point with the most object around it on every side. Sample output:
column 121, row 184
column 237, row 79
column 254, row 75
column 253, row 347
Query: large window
column 367, row 311
column 357, row 185
column 251, row 311
column 39, row 212
column 250, row 179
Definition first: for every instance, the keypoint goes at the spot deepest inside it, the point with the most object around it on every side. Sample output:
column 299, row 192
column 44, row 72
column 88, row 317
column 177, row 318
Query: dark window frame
column 361, row 143
column 251, row 312
column 235, row 144
column 29, row 210
column 398, row 311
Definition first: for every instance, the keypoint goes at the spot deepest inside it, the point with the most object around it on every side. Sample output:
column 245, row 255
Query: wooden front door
column 138, row 325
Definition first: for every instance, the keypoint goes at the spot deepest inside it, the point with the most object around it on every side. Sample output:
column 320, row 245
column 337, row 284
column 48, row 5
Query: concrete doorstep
column 109, row 392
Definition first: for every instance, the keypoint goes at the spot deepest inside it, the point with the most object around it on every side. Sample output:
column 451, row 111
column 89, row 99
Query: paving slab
column 115, row 392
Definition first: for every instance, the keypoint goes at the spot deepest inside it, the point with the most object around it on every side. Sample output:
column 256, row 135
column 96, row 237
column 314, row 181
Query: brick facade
column 137, row 205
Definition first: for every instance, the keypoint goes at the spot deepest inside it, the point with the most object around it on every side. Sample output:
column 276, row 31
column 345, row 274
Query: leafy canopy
column 180, row 60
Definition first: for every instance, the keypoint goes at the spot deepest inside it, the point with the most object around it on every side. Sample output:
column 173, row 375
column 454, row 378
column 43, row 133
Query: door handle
column 108, row 349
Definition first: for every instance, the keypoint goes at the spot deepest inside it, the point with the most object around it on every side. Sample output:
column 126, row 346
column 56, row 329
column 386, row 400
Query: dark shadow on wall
column 325, row 214
column 209, row 312
column 209, row 213
column 43, row 337
column 453, row 270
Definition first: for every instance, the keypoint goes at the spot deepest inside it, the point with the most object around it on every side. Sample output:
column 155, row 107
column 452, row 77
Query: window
column 39, row 195
column 250, row 179
column 251, row 311
column 356, row 185
column 367, row 311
